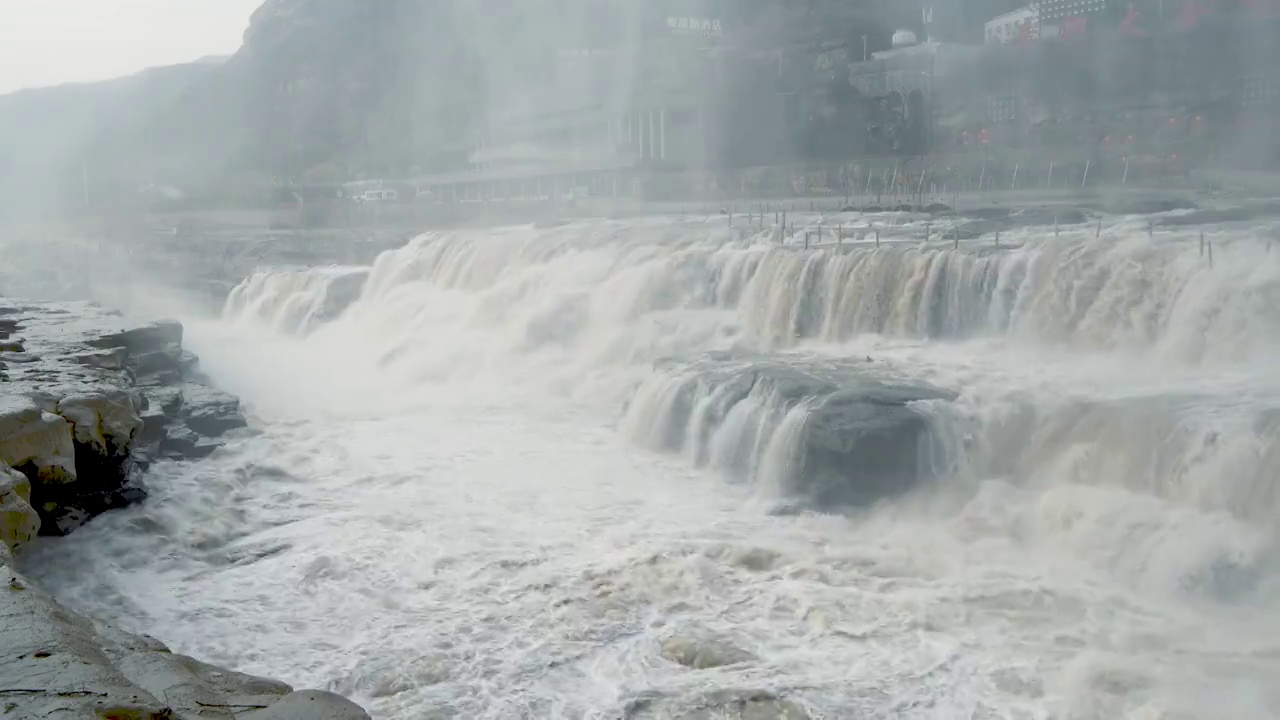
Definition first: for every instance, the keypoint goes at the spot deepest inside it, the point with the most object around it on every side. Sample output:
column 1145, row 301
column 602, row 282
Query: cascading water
column 1046, row 470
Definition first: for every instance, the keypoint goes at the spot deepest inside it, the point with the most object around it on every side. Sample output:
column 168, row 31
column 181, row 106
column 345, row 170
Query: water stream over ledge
column 521, row 472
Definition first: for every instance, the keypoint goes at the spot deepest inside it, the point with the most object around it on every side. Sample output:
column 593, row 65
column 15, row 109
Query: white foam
column 440, row 519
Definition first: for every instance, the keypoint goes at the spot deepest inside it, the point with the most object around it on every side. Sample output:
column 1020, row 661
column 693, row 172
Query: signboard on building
column 1017, row 26
column 701, row 27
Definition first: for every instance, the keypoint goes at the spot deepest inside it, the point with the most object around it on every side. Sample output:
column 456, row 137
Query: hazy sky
column 46, row 42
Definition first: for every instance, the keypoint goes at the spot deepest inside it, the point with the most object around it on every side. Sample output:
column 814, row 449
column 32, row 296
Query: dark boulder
column 210, row 412
column 864, row 444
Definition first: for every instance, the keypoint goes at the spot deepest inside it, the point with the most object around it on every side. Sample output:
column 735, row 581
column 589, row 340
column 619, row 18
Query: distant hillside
column 326, row 89
column 46, row 132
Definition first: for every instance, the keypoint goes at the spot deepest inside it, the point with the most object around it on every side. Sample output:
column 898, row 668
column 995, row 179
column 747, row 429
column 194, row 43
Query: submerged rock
column 703, row 653
column 719, row 705
column 824, row 433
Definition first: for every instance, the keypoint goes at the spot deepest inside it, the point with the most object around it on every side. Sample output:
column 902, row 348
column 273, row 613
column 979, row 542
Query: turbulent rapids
column 947, row 479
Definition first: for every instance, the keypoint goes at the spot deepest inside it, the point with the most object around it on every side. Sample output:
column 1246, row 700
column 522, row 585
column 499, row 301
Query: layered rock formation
column 87, row 403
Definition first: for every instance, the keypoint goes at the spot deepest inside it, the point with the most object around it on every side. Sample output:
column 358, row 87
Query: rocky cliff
column 87, row 403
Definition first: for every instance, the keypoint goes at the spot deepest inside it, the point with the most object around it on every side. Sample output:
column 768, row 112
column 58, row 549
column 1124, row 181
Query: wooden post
column 730, row 219
column 877, row 237
column 806, row 239
column 1098, row 232
column 926, row 232
column 1201, row 243
column 1151, row 229
column 1055, row 227
column 997, row 238
column 1209, row 246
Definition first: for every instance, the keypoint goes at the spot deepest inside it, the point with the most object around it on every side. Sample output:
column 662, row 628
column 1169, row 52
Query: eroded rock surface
column 88, row 402
column 85, row 404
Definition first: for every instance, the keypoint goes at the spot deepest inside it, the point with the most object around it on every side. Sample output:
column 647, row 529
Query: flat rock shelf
column 88, row 401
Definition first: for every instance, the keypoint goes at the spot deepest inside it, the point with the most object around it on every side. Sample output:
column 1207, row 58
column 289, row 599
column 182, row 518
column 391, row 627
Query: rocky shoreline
column 88, row 402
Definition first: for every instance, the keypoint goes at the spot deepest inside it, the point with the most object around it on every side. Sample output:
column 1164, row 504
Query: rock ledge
column 87, row 403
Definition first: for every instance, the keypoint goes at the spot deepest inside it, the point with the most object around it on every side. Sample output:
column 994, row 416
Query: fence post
column 1201, row 243
column 997, row 238
column 1209, row 246
column 877, row 237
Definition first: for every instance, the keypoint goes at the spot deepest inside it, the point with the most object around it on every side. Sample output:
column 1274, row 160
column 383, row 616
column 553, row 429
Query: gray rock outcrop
column 86, row 404
column 862, row 439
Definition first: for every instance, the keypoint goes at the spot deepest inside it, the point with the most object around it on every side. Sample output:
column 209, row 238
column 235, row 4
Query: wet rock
column 75, row 428
column 211, row 412
column 719, row 705
column 75, row 420
column 858, row 440
column 168, row 399
column 140, row 340
column 56, row 663
column 37, row 442
column 864, row 444
column 19, row 522
column 113, row 359
column 182, row 443
column 310, row 705
column 702, row 653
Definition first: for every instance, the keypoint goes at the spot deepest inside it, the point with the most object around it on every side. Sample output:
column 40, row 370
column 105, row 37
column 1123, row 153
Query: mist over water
column 625, row 465
column 512, row 472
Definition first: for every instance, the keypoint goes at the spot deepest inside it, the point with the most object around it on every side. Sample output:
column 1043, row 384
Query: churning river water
column 658, row 469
